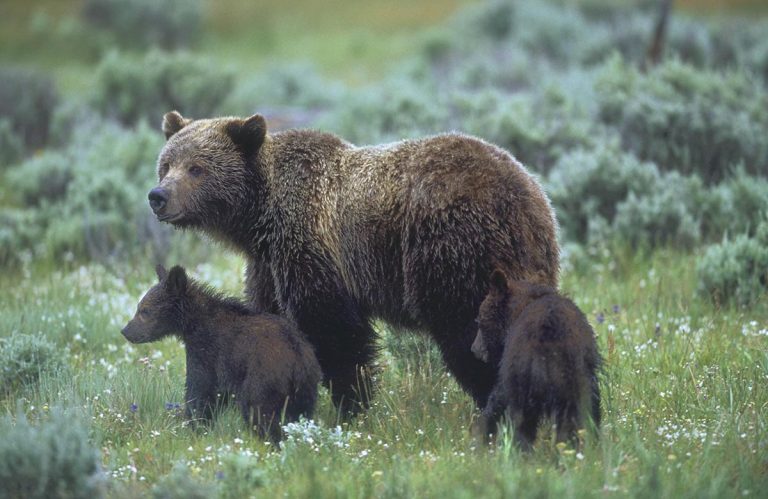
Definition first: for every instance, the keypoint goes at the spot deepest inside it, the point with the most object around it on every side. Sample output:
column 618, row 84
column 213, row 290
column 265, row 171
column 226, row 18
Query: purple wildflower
column 219, row 475
column 134, row 407
column 616, row 309
column 600, row 318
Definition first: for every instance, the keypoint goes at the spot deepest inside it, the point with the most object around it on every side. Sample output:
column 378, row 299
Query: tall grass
column 683, row 383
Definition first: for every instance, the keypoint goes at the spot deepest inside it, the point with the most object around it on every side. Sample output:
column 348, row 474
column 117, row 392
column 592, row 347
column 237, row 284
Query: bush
column 665, row 216
column 537, row 127
column 289, row 85
column 736, row 271
column 18, row 230
column 72, row 202
column 24, row 357
column 397, row 109
column 11, row 145
column 130, row 89
column 734, row 206
column 27, row 101
column 688, row 120
column 586, row 187
column 167, row 24
column 241, row 477
column 180, row 484
column 52, row 459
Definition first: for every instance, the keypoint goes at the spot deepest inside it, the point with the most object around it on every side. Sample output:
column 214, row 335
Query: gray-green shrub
column 586, row 187
column 86, row 198
column 147, row 23
column 28, row 98
column 130, row 89
column 736, row 270
column 24, row 357
column 52, row 458
column 11, row 145
column 180, row 484
column 666, row 215
column 687, row 119
column 280, row 86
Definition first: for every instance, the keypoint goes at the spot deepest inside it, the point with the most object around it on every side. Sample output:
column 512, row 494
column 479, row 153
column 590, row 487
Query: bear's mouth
column 170, row 217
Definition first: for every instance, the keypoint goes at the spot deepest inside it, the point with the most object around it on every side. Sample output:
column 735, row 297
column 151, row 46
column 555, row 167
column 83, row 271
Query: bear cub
column 547, row 361
column 261, row 360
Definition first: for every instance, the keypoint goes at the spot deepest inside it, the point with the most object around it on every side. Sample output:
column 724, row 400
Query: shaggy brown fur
column 546, row 356
column 232, row 351
column 336, row 235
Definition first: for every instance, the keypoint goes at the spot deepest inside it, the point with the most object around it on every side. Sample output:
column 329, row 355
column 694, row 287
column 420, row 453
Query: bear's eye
column 195, row 170
column 164, row 169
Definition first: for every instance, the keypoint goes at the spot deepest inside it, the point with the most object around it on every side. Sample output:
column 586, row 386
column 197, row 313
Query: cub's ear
column 177, row 280
column 172, row 123
column 499, row 281
column 161, row 272
column 248, row 134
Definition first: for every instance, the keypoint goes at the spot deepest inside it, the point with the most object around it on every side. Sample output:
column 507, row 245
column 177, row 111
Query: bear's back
column 551, row 345
column 267, row 345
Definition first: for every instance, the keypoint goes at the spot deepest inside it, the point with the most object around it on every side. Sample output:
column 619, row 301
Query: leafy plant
column 132, row 89
column 736, row 270
column 167, row 24
column 24, row 357
column 27, row 101
column 51, row 459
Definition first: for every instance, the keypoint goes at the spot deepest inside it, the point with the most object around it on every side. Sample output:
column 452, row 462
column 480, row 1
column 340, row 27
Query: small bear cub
column 260, row 359
column 547, row 361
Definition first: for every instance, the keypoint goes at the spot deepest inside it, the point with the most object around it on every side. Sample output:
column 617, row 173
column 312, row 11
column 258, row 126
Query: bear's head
column 505, row 301
column 205, row 168
column 158, row 312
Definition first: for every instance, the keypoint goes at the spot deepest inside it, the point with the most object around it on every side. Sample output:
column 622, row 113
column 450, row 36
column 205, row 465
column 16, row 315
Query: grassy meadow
column 659, row 178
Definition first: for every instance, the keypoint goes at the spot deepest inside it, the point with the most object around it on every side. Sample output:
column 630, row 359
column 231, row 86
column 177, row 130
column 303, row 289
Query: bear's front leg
column 344, row 344
column 200, row 394
column 260, row 287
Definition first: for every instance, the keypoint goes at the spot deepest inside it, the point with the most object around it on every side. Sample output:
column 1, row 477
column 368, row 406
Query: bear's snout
column 158, row 199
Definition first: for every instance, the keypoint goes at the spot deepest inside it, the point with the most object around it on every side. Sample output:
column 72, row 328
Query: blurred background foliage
column 674, row 155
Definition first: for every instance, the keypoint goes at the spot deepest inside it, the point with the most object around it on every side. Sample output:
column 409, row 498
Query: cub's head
column 157, row 314
column 204, row 167
column 492, row 319
column 505, row 301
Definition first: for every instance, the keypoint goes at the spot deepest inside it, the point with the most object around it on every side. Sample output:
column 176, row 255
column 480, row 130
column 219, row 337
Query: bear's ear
column 177, row 280
column 248, row 134
column 499, row 281
column 172, row 123
column 161, row 272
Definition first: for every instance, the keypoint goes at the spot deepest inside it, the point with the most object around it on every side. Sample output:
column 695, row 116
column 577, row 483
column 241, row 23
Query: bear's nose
column 158, row 198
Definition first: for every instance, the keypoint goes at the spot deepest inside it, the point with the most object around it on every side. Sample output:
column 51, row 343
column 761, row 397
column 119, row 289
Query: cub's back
column 552, row 343
column 272, row 345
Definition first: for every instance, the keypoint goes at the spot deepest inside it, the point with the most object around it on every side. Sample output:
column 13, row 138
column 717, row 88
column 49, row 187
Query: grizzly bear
column 259, row 360
column 336, row 235
column 547, row 360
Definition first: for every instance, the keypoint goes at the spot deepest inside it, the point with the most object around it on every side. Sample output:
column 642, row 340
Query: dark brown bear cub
column 232, row 350
column 546, row 356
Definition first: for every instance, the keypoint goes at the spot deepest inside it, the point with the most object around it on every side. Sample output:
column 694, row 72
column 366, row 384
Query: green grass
column 684, row 383
column 684, row 398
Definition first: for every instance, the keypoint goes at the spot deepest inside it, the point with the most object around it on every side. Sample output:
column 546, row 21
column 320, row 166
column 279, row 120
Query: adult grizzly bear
column 335, row 235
